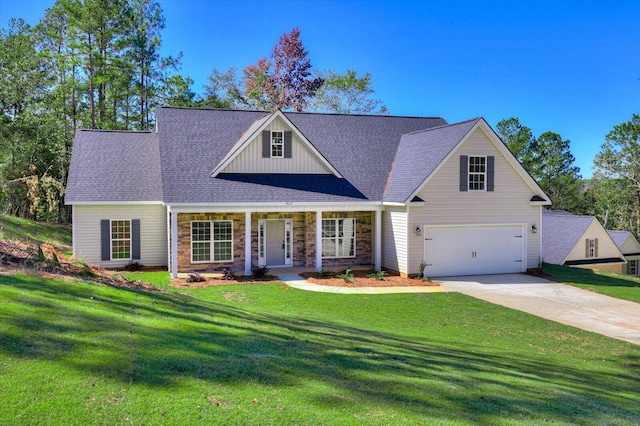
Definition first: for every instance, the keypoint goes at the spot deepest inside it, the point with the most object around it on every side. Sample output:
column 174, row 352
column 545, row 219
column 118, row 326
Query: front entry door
column 275, row 242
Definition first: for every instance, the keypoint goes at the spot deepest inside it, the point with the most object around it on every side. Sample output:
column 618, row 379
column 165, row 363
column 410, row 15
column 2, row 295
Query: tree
column 283, row 80
column 519, row 139
column 176, row 91
column 346, row 94
column 619, row 158
column 612, row 201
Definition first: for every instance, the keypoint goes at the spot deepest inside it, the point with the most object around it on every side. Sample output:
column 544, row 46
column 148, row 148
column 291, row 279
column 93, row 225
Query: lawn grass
column 621, row 286
column 78, row 353
column 15, row 228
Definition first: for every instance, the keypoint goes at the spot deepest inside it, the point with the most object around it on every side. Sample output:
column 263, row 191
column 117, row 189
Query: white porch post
column 247, row 243
column 319, row 240
column 174, row 245
column 378, row 241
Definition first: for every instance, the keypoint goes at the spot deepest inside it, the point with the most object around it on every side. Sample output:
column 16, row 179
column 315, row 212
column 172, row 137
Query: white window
column 477, row 173
column 338, row 237
column 120, row 239
column 592, row 248
column 277, row 144
column 211, row 241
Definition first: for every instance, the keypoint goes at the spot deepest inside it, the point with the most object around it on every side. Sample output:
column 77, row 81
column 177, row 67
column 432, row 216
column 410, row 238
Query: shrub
column 259, row 271
column 347, row 275
column 133, row 266
column 377, row 274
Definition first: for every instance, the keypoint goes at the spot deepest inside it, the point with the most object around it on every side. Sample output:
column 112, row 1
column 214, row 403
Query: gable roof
column 361, row 148
column 622, row 238
column 114, row 166
column 419, row 154
column 255, row 130
column 561, row 231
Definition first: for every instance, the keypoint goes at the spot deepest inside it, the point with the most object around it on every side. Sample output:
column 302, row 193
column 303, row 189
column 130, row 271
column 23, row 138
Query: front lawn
column 76, row 353
column 614, row 285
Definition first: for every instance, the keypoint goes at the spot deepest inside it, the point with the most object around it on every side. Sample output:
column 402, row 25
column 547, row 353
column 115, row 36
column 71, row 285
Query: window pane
column 222, row 251
column 328, row 248
column 222, row 231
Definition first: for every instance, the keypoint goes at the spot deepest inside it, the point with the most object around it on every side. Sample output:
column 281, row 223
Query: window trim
column 111, row 240
column 273, row 144
column 212, row 240
column 337, row 237
column 483, row 174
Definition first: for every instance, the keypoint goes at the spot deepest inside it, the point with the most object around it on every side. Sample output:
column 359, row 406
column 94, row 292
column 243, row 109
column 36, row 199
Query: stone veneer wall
column 304, row 239
column 184, row 241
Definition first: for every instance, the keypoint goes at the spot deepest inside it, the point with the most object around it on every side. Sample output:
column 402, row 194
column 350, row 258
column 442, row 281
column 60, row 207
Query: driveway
column 562, row 303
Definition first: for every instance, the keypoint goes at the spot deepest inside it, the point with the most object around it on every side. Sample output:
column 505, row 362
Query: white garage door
column 474, row 250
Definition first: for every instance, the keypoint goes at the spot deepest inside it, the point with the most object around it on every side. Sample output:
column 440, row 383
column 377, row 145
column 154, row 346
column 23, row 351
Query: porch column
column 174, row 245
column 247, row 243
column 319, row 240
column 378, row 241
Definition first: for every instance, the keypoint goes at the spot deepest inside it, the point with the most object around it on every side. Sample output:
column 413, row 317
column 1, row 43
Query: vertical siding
column 251, row 161
column 153, row 232
column 394, row 239
column 606, row 247
column 445, row 204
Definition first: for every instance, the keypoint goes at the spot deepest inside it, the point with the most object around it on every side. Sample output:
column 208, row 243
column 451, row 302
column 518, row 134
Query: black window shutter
column 105, row 239
column 464, row 169
column 287, row 144
column 266, row 144
column 135, row 239
column 490, row 172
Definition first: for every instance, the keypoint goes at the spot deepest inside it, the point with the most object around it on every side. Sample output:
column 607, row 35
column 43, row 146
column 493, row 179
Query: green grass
column 14, row 228
column 614, row 285
column 76, row 353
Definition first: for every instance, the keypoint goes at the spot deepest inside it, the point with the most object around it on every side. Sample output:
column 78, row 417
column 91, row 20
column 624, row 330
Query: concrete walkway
column 296, row 281
column 562, row 303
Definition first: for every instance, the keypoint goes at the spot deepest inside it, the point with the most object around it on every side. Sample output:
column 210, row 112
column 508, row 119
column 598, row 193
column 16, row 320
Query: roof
column 114, row 166
column 361, row 147
column 561, row 231
column 419, row 154
column 620, row 238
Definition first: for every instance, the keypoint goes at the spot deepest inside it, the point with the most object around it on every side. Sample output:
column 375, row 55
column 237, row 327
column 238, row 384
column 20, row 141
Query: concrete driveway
column 562, row 303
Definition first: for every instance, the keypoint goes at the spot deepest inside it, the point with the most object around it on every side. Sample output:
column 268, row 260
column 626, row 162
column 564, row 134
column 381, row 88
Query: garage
column 474, row 249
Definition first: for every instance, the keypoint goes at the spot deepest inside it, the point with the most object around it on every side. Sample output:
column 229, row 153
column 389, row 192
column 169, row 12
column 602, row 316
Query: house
column 212, row 189
column 578, row 241
column 630, row 248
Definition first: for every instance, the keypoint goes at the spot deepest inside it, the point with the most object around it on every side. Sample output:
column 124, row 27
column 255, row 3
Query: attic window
column 277, row 144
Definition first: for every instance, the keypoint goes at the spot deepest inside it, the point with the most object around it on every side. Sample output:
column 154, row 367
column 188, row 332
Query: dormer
column 273, row 144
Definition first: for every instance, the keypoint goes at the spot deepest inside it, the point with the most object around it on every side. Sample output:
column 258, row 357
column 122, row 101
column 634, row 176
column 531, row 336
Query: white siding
column 153, row 232
column 394, row 239
column 445, row 204
column 606, row 247
column 302, row 160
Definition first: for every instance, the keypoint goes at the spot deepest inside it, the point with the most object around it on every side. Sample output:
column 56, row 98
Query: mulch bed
column 361, row 280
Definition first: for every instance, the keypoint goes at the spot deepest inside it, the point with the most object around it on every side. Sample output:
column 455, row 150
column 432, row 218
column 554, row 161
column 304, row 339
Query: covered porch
column 216, row 237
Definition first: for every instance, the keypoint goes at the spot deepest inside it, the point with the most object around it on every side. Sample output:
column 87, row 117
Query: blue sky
column 571, row 67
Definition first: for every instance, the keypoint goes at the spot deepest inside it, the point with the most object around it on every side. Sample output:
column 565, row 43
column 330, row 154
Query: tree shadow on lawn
column 158, row 339
column 587, row 276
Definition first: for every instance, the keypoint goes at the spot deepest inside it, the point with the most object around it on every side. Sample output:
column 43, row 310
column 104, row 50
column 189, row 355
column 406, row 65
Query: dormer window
column 477, row 173
column 277, row 144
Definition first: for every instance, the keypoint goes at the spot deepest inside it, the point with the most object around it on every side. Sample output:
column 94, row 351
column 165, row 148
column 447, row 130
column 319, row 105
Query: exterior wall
column 394, row 239
column 630, row 245
column 606, row 247
column 618, row 268
column 250, row 159
column 184, row 241
column 153, row 232
column 304, row 239
column 445, row 204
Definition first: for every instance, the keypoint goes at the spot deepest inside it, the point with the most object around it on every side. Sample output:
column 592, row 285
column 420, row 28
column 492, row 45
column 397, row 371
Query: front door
column 275, row 242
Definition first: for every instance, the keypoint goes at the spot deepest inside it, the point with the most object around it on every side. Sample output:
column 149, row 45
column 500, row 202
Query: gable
column 630, row 245
column 301, row 160
column 606, row 247
column 509, row 184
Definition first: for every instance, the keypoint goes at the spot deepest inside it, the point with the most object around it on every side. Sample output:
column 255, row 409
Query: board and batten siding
column 250, row 160
column 606, row 247
column 153, row 232
column 394, row 239
column 445, row 204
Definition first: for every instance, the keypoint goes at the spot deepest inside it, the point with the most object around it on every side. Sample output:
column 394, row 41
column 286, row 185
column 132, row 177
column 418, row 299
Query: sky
column 570, row 67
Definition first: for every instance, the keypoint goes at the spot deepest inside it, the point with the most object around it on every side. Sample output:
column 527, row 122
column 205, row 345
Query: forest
column 97, row 64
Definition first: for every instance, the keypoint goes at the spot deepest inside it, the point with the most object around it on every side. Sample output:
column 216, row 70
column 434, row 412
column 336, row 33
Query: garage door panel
column 470, row 250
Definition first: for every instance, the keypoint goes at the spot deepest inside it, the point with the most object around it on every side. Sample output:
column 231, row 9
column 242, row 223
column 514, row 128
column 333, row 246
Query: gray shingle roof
column 114, row 166
column 361, row 148
column 418, row 155
column 561, row 231
column 619, row 237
